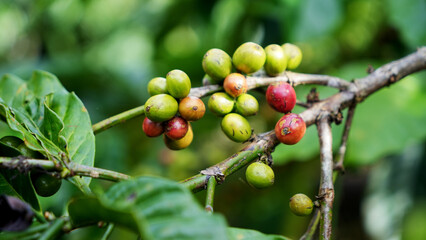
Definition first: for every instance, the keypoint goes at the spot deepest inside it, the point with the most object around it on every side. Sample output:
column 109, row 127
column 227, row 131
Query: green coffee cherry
column 161, row 107
column 157, row 86
column 44, row 184
column 236, row 127
column 217, row 64
column 25, row 151
column 249, row 58
column 293, row 54
column 301, row 205
column 207, row 80
column 9, row 146
column 276, row 60
column 246, row 105
column 260, row 175
column 220, row 104
column 178, row 83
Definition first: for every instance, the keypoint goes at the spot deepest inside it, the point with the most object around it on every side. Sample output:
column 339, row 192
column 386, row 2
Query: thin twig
column 54, row 230
column 108, row 231
column 326, row 192
column 211, row 185
column 75, row 169
column 119, row 118
column 342, row 149
column 312, row 227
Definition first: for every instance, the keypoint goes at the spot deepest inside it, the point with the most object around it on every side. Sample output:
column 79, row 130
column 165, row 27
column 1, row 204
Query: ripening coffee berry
column 157, row 85
column 181, row 143
column 246, row 105
column 220, row 104
column 217, row 64
column 176, row 128
column 293, row 54
column 276, row 60
column 236, row 127
column 249, row 58
column 281, row 97
column 235, row 84
column 301, row 205
column 192, row 108
column 45, row 184
column 161, row 107
column 290, row 129
column 207, row 80
column 178, row 83
column 151, row 128
column 260, row 175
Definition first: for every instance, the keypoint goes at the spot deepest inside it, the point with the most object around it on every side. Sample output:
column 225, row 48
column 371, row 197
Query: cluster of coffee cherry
column 170, row 110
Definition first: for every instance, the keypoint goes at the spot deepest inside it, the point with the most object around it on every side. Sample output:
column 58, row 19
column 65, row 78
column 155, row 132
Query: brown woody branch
column 326, row 191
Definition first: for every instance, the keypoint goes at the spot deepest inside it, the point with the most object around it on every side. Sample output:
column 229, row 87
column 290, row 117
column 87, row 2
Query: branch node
column 313, row 96
column 370, row 69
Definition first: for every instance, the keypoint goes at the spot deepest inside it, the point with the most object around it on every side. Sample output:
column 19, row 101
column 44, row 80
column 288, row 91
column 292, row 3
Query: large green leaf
column 157, row 208
column 47, row 117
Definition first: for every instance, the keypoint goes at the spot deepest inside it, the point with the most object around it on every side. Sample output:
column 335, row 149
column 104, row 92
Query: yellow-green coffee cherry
column 301, row 205
column 157, row 86
column 236, row 127
column 246, row 105
column 217, row 64
column 207, row 80
column 220, row 104
column 293, row 54
column 276, row 60
column 161, row 107
column 178, row 83
column 260, row 175
column 249, row 58
column 180, row 143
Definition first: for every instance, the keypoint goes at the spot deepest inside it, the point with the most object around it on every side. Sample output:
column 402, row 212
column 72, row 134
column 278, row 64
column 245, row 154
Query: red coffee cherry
column 281, row 97
column 290, row 129
column 176, row 128
column 151, row 128
column 192, row 108
column 235, row 84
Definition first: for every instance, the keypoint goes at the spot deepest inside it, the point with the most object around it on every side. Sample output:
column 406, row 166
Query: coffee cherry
column 161, row 107
column 290, row 129
column 220, row 104
column 235, row 84
column 276, row 60
column 192, row 108
column 301, row 205
column 246, row 105
column 281, row 97
column 176, row 128
column 236, row 127
column 178, row 83
column 157, row 85
column 260, row 175
column 181, row 143
column 294, row 55
column 151, row 128
column 44, row 184
column 11, row 141
column 25, row 151
column 249, row 58
column 217, row 64
column 207, row 80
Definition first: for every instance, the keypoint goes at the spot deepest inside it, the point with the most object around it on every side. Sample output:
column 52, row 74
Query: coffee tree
column 52, row 140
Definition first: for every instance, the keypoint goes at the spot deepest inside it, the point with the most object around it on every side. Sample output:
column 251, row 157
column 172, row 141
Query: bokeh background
column 107, row 50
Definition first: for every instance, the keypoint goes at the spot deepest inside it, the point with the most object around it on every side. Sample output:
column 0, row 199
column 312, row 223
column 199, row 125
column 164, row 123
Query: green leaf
column 246, row 234
column 157, row 208
column 48, row 118
column 14, row 183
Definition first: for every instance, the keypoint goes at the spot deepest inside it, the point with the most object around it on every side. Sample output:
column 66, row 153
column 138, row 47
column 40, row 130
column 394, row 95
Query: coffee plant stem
column 108, row 231
column 326, row 192
column 211, row 185
column 74, row 168
column 119, row 118
column 55, row 229
column 312, row 227
column 342, row 149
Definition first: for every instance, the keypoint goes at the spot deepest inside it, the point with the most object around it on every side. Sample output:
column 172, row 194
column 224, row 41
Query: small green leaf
column 246, row 234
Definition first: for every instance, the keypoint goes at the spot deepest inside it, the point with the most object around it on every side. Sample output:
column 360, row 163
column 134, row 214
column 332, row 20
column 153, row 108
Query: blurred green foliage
column 106, row 51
